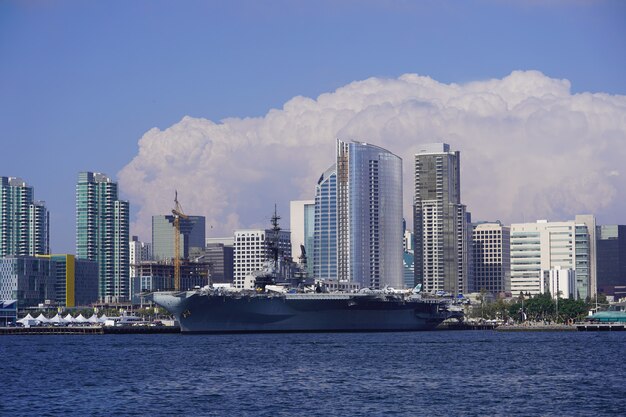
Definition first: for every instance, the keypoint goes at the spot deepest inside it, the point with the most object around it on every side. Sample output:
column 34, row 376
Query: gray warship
column 299, row 304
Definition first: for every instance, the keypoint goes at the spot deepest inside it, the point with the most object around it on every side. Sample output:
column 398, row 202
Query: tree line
column 540, row 307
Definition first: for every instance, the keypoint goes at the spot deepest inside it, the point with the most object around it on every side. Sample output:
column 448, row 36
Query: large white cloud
column 530, row 149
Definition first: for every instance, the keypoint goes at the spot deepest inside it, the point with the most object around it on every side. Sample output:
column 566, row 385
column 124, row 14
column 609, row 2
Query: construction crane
column 178, row 214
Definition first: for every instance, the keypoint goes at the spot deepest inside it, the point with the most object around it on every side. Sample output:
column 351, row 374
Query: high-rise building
column 325, row 226
column 24, row 223
column 138, row 252
column 611, row 260
column 369, row 216
column 253, row 250
column 440, row 221
column 542, row 246
column 102, row 233
column 220, row 258
column 302, row 225
column 192, row 235
column 491, row 244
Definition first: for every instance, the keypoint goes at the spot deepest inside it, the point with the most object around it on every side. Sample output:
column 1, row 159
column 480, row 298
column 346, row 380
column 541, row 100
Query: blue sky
column 82, row 81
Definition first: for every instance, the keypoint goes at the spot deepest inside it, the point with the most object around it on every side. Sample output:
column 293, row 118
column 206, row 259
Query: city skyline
column 270, row 88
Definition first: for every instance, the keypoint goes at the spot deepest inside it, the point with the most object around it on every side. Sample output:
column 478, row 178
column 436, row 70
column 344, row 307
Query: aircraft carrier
column 297, row 303
column 211, row 310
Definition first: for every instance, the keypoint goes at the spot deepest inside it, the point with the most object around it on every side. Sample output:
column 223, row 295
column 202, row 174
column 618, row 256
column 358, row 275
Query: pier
column 537, row 328
column 87, row 330
column 600, row 327
column 466, row 326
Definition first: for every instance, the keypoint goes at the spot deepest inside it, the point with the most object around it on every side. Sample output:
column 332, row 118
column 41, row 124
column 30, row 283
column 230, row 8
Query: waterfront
column 421, row 373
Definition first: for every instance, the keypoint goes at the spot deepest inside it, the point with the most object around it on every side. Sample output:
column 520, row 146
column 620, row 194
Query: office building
column 102, row 234
column 253, row 249
column 76, row 282
column 192, row 235
column 559, row 283
column 369, row 216
column 325, row 226
column 440, row 221
column 302, row 226
column 29, row 280
column 491, row 263
column 221, row 262
column 544, row 245
column 24, row 223
column 611, row 260
column 138, row 252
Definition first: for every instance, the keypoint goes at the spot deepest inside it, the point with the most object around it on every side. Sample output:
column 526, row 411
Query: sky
column 237, row 104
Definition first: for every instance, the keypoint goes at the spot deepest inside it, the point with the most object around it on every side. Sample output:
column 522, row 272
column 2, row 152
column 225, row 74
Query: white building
column 138, row 252
column 559, row 281
column 252, row 251
column 302, row 225
column 544, row 245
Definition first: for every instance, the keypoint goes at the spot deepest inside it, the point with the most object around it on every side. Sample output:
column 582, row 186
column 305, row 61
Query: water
column 374, row 374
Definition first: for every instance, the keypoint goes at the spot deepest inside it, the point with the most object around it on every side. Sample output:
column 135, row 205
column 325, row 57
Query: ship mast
column 275, row 234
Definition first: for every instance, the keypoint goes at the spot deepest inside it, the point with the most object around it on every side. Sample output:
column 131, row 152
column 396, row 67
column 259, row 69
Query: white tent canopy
column 93, row 319
column 103, row 318
column 69, row 318
column 80, row 319
column 26, row 318
column 58, row 320
column 42, row 318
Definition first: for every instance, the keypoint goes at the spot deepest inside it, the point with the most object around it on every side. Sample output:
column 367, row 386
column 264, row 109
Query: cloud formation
column 530, row 149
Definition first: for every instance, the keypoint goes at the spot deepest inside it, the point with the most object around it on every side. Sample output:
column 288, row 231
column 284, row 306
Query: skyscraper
column 440, row 221
column 369, row 216
column 102, row 228
column 325, row 226
column 491, row 245
column 611, row 249
column 138, row 252
column 192, row 235
column 24, row 223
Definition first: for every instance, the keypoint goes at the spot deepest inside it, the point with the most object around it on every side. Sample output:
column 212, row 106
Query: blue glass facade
column 369, row 216
column 325, row 226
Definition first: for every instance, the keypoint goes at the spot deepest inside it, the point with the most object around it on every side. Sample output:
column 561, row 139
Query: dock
column 466, row 326
column 600, row 327
column 537, row 328
column 87, row 330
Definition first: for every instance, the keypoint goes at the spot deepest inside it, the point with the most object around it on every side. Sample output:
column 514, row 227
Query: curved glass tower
column 369, row 215
column 325, row 226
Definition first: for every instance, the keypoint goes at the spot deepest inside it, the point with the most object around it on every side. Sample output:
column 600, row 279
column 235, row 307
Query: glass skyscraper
column 102, row 233
column 325, row 226
column 611, row 250
column 442, row 235
column 24, row 223
column 192, row 235
column 369, row 216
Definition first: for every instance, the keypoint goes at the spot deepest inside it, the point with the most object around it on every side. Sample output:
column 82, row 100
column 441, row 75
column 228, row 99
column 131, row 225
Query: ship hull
column 202, row 313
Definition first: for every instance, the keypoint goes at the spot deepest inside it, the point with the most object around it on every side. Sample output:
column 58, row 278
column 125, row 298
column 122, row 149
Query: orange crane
column 178, row 214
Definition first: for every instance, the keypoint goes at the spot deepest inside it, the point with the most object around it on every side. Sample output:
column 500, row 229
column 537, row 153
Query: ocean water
column 447, row 373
